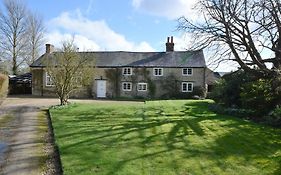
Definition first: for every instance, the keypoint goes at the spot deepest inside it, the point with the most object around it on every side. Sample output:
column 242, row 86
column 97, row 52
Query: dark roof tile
column 140, row 59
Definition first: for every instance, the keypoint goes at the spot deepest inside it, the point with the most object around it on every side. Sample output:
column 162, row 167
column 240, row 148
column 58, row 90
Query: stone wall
column 114, row 89
column 39, row 87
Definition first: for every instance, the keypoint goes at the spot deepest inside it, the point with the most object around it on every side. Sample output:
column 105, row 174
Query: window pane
column 158, row 71
column 184, row 87
column 142, row 86
column 189, row 86
column 49, row 81
column 189, row 71
column 127, row 71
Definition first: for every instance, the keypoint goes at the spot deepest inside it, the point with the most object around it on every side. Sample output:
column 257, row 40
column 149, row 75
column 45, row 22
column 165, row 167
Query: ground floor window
column 187, row 87
column 49, row 81
column 142, row 86
column 127, row 86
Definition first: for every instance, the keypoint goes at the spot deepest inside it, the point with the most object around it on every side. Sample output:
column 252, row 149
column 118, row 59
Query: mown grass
column 162, row 137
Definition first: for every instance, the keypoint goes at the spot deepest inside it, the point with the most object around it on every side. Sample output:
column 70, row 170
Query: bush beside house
column 241, row 94
column 3, row 87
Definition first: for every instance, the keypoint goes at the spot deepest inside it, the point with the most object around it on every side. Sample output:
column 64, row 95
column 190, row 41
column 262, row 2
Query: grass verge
column 6, row 118
column 162, row 137
column 42, row 131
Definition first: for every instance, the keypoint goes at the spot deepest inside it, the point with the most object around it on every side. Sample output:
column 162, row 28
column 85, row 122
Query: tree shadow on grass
column 172, row 128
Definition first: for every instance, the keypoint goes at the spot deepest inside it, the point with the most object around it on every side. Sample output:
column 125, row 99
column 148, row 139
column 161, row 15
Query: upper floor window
column 187, row 87
column 142, row 86
column 158, row 71
column 49, row 81
column 127, row 86
column 187, row 71
column 127, row 71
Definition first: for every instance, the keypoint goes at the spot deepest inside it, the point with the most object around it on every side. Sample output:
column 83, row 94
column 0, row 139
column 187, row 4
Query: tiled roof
column 139, row 59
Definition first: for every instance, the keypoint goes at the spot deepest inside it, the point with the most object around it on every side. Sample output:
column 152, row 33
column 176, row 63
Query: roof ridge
column 146, row 59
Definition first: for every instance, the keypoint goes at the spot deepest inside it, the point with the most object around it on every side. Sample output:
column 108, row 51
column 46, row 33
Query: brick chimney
column 170, row 45
column 49, row 48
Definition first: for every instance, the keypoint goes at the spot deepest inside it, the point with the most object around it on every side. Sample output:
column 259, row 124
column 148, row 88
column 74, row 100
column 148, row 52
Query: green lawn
column 162, row 137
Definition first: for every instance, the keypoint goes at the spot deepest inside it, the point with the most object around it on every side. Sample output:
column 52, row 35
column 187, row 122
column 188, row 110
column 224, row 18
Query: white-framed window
column 158, row 71
column 127, row 86
column 142, row 86
column 187, row 87
column 49, row 81
column 187, row 71
column 127, row 71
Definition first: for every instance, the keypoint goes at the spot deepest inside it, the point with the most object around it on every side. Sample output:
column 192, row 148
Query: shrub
column 3, row 87
column 241, row 113
column 227, row 90
column 274, row 118
column 243, row 95
column 258, row 95
column 218, row 94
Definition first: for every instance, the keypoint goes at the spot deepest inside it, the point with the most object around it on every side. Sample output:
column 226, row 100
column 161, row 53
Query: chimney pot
column 49, row 48
column 172, row 38
column 170, row 45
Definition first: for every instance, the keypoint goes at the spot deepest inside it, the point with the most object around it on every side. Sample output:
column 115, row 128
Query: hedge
column 4, row 82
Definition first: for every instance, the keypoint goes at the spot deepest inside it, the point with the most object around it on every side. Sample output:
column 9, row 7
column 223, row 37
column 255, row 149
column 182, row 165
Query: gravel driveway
column 20, row 150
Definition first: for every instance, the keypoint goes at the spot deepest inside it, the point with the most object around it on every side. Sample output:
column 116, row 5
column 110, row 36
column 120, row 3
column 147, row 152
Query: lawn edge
column 54, row 165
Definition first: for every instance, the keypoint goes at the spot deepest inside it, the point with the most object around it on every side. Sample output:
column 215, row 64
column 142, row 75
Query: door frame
column 97, row 90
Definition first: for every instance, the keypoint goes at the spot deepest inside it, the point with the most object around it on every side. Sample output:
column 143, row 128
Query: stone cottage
column 178, row 74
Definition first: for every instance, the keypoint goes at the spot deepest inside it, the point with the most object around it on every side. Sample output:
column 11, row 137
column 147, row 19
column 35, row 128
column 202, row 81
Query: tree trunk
column 63, row 99
column 14, row 63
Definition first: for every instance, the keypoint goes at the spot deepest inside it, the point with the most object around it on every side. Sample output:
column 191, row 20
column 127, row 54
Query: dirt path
column 21, row 151
column 23, row 155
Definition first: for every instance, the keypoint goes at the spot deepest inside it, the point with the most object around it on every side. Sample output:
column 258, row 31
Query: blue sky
column 133, row 25
column 115, row 25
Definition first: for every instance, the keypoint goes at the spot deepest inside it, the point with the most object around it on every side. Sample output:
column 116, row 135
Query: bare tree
column 245, row 31
column 21, row 33
column 13, row 30
column 35, row 36
column 69, row 70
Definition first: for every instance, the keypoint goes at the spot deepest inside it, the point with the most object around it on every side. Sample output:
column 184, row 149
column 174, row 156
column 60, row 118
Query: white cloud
column 137, row 3
column 91, row 35
column 84, row 44
column 171, row 9
column 182, row 43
